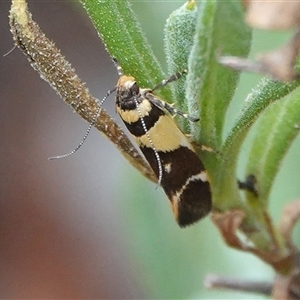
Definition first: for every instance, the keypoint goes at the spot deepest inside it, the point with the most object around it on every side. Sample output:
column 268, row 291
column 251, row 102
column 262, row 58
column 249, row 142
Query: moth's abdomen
column 185, row 182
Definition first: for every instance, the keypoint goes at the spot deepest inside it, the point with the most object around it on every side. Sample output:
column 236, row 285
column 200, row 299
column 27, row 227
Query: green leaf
column 266, row 92
column 179, row 34
column 210, row 86
column 123, row 38
column 277, row 129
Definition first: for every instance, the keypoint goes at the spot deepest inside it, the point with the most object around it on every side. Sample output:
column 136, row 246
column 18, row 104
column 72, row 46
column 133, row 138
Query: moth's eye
column 135, row 89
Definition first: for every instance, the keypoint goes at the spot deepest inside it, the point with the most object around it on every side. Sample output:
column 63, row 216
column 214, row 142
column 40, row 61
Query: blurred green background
column 90, row 226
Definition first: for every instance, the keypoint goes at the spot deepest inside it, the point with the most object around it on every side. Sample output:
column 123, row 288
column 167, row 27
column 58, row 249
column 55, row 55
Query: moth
column 167, row 149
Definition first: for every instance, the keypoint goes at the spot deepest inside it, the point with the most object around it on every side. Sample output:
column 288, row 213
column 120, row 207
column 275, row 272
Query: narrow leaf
column 266, row 92
column 210, row 86
column 179, row 34
column 123, row 38
column 276, row 131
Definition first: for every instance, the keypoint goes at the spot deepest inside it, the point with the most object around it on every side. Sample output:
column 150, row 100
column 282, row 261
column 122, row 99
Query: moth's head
column 127, row 88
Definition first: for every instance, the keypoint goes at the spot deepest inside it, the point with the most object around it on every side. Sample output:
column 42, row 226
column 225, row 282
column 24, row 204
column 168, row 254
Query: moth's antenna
column 172, row 78
column 160, row 169
column 88, row 129
column 10, row 51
